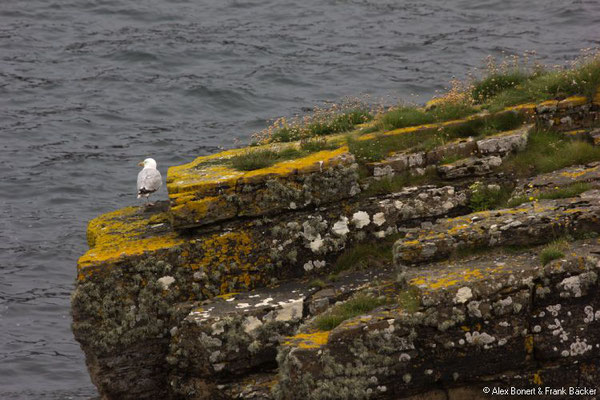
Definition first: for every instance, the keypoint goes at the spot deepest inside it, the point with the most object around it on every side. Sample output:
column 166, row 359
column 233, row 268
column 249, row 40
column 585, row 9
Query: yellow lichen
column 125, row 233
column 529, row 344
column 577, row 174
column 573, row 101
column 537, row 378
column 312, row 340
column 227, row 296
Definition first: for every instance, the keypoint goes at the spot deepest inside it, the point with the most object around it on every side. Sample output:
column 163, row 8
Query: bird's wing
column 148, row 181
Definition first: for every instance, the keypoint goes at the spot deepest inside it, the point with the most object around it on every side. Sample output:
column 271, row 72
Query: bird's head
column 148, row 163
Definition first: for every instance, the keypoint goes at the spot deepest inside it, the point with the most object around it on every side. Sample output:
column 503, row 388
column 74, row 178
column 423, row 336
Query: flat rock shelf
column 428, row 274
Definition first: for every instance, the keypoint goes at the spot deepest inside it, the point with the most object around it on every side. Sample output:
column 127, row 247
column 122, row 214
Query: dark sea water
column 89, row 88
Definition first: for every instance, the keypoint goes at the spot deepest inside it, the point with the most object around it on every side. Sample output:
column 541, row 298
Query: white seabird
column 149, row 179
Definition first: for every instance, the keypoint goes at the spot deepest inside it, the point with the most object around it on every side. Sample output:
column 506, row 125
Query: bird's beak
column 141, row 164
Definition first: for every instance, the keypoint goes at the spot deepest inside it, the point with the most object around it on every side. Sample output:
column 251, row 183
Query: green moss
column 553, row 251
column 317, row 283
column 358, row 305
column 548, row 151
column 486, row 197
column 572, row 190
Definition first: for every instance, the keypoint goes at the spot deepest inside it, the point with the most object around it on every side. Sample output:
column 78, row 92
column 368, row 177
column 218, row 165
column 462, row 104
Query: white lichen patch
column 558, row 330
column 314, row 264
column 579, row 347
column 576, row 286
column 479, row 339
column 360, row 219
column 379, row 219
column 242, row 305
column 554, row 309
column 590, row 316
column 463, row 295
column 340, row 228
column 316, row 244
column 251, row 323
column 290, row 311
column 166, row 281
column 264, row 303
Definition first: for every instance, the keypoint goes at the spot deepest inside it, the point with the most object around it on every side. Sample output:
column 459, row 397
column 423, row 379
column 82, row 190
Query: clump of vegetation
column 256, row 159
column 317, row 283
column 553, row 251
column 521, row 83
column 548, row 151
column 404, row 116
column 408, row 300
column 356, row 306
column 321, row 121
column 381, row 146
column 366, row 255
column 572, row 190
column 486, row 197
column 497, row 82
column 395, row 183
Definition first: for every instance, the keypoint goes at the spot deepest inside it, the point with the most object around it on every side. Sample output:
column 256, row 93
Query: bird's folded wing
column 149, row 180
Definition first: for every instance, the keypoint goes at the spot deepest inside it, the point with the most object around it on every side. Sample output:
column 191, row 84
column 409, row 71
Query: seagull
column 148, row 180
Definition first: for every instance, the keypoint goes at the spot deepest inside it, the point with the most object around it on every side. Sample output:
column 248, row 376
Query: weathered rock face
column 133, row 289
column 531, row 223
column 489, row 319
column 204, row 191
column 187, row 300
column 477, row 157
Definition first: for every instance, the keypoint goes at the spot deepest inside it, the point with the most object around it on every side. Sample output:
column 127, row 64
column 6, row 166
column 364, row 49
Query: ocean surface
column 88, row 88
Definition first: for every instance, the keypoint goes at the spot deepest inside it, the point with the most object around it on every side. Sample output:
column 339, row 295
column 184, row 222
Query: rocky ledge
column 322, row 276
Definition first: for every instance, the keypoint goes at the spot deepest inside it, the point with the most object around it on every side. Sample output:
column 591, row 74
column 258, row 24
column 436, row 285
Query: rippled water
column 88, row 88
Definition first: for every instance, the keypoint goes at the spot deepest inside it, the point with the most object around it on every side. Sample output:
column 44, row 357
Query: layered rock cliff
column 212, row 294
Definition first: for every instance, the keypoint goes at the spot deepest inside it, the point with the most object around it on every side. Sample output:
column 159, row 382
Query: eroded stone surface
column 505, row 143
column 203, row 193
column 230, row 337
column 124, row 294
column 471, row 166
column 391, row 353
column 528, row 224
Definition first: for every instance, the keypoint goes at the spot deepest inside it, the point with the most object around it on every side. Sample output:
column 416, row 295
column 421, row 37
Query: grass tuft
column 332, row 119
column 356, row 306
column 404, row 116
column 572, row 190
column 318, row 283
column 548, row 151
column 366, row 255
column 256, row 159
column 497, row 82
column 553, row 251
column 487, row 197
